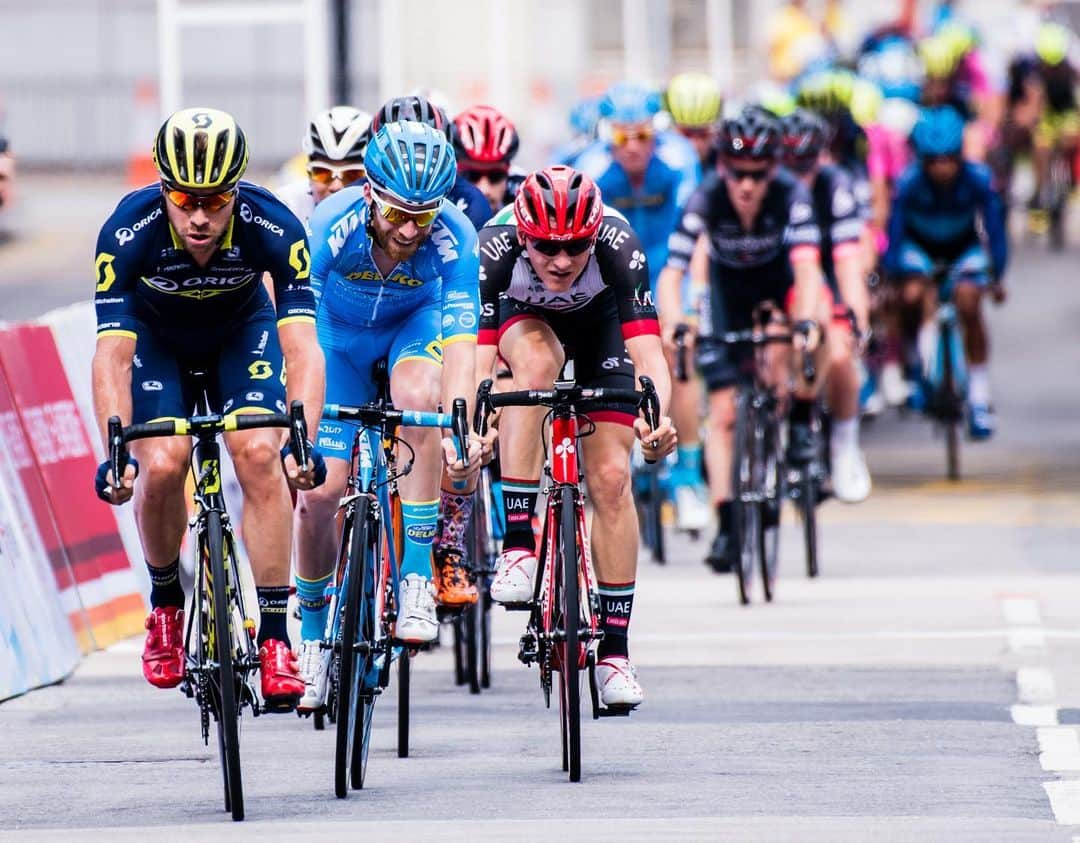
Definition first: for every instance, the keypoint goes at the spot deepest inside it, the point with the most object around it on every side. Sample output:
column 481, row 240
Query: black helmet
column 752, row 136
column 805, row 135
column 415, row 108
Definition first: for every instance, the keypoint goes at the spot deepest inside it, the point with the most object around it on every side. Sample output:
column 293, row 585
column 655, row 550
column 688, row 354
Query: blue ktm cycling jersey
column 942, row 220
column 652, row 209
column 351, row 292
column 146, row 279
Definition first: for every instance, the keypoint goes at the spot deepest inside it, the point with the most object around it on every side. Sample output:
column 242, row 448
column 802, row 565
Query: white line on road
column 1034, row 715
column 1036, row 685
column 1027, row 638
column 1064, row 801
column 1059, row 748
column 1021, row 611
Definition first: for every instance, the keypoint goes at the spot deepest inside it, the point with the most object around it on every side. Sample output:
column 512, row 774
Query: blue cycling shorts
column 971, row 266
column 244, row 369
column 351, row 353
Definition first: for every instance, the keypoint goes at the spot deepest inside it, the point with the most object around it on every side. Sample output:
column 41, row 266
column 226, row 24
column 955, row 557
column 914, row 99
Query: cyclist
column 648, row 176
column 757, row 221
column 805, row 137
column 584, row 118
column 564, row 277
column 466, row 196
column 395, row 276
column 935, row 216
column 694, row 101
column 1044, row 82
column 486, row 142
column 334, row 146
column 179, row 286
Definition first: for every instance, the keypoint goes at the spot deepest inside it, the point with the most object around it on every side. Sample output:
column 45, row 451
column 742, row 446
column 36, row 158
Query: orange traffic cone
column 144, row 126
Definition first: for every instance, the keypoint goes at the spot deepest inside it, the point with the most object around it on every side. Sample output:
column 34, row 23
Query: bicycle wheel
column 570, row 604
column 228, row 710
column 808, row 514
column 655, row 513
column 744, row 512
column 365, row 663
column 953, row 412
column 773, row 494
column 403, row 705
column 348, row 685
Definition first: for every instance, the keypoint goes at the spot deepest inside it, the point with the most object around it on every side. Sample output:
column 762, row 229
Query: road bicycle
column 563, row 627
column 947, row 372
column 219, row 643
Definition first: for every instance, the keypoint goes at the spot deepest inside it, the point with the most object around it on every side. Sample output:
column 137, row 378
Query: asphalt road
column 923, row 688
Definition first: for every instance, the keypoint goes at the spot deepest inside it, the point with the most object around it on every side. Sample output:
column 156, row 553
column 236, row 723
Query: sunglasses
column 736, row 174
column 573, row 248
column 321, row 174
column 800, row 164
column 493, row 176
column 621, row 136
column 190, row 201
column 396, row 215
column 697, row 132
column 941, row 159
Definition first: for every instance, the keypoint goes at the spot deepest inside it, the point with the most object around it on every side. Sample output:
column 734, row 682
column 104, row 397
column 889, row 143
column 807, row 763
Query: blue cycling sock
column 311, row 595
column 688, row 468
column 418, row 519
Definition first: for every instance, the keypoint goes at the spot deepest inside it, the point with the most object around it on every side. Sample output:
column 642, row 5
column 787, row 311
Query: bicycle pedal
column 616, row 711
column 413, row 647
column 279, row 705
column 518, row 607
column 449, row 613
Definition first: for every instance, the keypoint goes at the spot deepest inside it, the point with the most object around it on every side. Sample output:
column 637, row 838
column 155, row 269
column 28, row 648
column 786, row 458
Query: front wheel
column 570, row 605
column 746, row 515
column 770, row 510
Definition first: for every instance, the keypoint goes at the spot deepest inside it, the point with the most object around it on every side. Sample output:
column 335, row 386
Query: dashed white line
column 1059, row 748
column 1034, row 715
column 1064, row 800
column 1027, row 638
column 1021, row 611
column 1036, row 685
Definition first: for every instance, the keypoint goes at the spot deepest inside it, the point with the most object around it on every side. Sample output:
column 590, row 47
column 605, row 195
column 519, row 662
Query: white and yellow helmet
column 200, row 149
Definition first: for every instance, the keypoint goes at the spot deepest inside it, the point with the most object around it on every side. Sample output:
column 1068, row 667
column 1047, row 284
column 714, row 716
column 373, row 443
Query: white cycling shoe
column 691, row 511
column 514, row 576
column 850, row 476
column 417, row 622
column 618, row 683
column 314, row 662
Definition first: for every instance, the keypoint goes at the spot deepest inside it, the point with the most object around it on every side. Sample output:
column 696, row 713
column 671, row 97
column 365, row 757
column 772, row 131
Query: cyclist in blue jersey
column 584, row 118
column 935, row 217
column 179, row 287
column 395, row 273
column 468, row 198
column 647, row 177
column 334, row 145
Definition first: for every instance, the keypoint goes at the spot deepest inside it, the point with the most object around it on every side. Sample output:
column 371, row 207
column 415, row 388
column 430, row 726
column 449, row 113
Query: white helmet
column 338, row 134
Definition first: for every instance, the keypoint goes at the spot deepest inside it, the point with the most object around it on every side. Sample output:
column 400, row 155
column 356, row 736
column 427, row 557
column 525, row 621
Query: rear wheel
column 745, row 513
column 953, row 404
column 225, row 679
column 570, row 605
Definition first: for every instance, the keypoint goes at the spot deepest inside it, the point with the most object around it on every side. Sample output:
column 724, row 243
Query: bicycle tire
column 485, row 637
column 773, row 487
column 743, row 531
column 570, row 695
column 953, row 413
column 348, row 673
column 808, row 513
column 228, row 712
column 655, row 514
column 365, row 704
column 403, row 705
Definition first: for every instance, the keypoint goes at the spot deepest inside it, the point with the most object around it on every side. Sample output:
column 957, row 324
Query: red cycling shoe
column 163, row 652
column 282, row 685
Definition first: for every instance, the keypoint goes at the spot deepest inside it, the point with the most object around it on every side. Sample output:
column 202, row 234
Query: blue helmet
column 939, row 131
column 628, row 102
column 411, row 161
column 585, row 115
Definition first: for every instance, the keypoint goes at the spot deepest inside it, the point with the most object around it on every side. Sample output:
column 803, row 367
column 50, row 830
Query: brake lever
column 650, row 406
column 483, row 407
column 298, row 437
column 118, row 455
column 459, row 427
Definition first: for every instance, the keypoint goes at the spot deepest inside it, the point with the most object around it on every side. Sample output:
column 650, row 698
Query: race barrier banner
column 80, row 533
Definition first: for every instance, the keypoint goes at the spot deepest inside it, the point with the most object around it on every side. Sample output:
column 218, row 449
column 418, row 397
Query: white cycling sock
column 979, row 385
column 845, row 434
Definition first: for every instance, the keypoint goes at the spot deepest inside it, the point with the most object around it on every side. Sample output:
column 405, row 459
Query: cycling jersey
column 470, row 200
column 837, row 214
column 145, row 277
column 421, row 305
column 297, row 197
column 942, row 220
column 606, row 305
column 1058, row 82
column 653, row 209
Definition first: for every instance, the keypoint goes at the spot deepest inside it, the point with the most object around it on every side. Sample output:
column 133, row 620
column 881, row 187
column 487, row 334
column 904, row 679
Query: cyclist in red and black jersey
column 562, row 278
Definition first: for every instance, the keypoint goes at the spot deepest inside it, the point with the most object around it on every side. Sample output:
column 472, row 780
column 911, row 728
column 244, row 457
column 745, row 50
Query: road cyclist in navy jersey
column 334, row 146
column 179, row 287
column 805, row 138
column 647, row 175
column 466, row 196
column 756, row 223
column 941, row 202
column 486, row 143
column 394, row 269
column 563, row 277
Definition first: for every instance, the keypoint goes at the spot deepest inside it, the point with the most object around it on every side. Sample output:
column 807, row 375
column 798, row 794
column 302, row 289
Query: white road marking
column 1064, row 801
column 1021, row 611
column 1059, row 748
column 1034, row 715
column 1036, row 685
column 1027, row 638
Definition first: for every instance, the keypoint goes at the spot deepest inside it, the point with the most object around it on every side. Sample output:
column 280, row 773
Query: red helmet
column 558, row 203
column 484, row 139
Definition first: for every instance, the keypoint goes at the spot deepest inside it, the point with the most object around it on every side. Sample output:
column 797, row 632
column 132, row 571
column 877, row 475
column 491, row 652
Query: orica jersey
column 351, row 291
column 145, row 277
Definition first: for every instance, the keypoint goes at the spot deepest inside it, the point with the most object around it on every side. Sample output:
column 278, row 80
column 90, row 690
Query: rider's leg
column 317, row 536
column 161, row 513
column 968, row 299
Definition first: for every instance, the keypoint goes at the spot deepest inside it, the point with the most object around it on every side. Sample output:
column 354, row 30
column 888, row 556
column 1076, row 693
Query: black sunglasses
column 737, row 175
column 493, row 176
column 572, row 247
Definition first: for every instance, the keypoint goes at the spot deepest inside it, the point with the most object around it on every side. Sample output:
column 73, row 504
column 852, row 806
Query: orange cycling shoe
column 163, row 652
column 455, row 584
column 282, row 685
